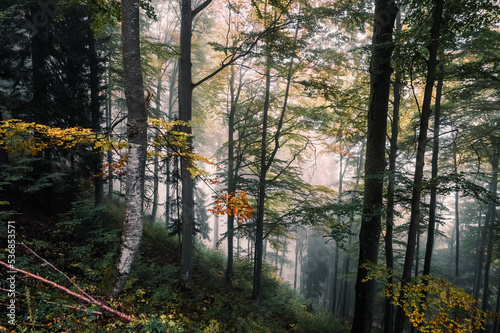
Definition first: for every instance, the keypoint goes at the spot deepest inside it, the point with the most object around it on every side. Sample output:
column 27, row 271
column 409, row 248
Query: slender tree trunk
column 108, row 126
column 380, row 82
column 297, row 249
column 169, row 170
column 216, row 231
column 434, row 173
column 259, row 231
column 264, row 167
column 136, row 134
column 156, row 168
column 489, row 228
column 389, row 223
column 419, row 166
column 231, row 172
column 496, row 325
column 347, row 288
column 335, row 297
column 95, row 108
column 283, row 257
column 457, row 215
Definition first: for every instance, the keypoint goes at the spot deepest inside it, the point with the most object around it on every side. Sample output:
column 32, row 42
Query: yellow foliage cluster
column 435, row 305
column 233, row 205
column 21, row 136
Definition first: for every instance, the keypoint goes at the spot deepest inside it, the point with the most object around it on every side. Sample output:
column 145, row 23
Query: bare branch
column 121, row 315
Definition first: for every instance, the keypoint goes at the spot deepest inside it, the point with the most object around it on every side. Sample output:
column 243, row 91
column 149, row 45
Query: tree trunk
column 434, row 173
column 168, row 171
column 185, row 114
column 389, row 223
column 216, row 231
column 186, row 87
column 457, row 215
column 156, row 171
column 419, row 165
column 137, row 136
column 496, row 325
column 95, row 109
column 335, row 298
column 380, row 82
column 489, row 228
column 259, row 231
column 297, row 249
column 108, row 126
column 231, row 173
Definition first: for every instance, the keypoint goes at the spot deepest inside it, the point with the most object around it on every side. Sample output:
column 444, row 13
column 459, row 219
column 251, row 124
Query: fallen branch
column 57, row 270
column 91, row 300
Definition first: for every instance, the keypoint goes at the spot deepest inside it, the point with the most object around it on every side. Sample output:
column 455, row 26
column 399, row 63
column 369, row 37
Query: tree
column 137, row 141
column 380, row 75
column 432, row 65
column 389, row 223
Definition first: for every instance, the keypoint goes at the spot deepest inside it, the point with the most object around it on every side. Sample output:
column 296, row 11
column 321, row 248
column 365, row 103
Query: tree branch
column 120, row 315
column 198, row 9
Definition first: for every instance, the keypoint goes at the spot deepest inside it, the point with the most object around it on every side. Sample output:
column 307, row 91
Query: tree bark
column 108, row 126
column 419, row 165
column 185, row 114
column 434, row 173
column 156, row 171
column 457, row 215
column 389, row 222
column 231, row 172
column 380, row 81
column 489, row 228
column 95, row 109
column 137, row 136
column 259, row 230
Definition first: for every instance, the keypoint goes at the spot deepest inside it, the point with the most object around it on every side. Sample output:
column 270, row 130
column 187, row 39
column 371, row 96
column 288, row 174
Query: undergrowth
column 84, row 241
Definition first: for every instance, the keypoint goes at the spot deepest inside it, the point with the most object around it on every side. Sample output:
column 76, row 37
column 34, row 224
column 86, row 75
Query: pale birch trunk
column 136, row 134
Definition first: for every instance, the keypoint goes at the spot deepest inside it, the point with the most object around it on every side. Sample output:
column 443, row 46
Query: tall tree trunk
column 108, row 126
column 156, row 167
column 431, row 230
column 496, row 325
column 347, row 284
column 389, row 222
column 231, row 172
column 186, row 87
column 489, row 228
column 380, row 82
column 419, row 165
column 137, row 136
column 95, row 109
column 335, row 298
column 185, row 114
column 283, row 257
column 297, row 249
column 168, row 170
column 457, row 215
column 259, row 230
column 264, row 167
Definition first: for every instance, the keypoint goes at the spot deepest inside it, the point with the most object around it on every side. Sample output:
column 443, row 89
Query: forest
column 249, row 166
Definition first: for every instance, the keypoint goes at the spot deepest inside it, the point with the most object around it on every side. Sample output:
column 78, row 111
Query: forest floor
column 82, row 246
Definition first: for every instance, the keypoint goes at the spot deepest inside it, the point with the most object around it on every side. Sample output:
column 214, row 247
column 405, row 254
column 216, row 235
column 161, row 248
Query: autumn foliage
column 18, row 135
column 233, row 205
